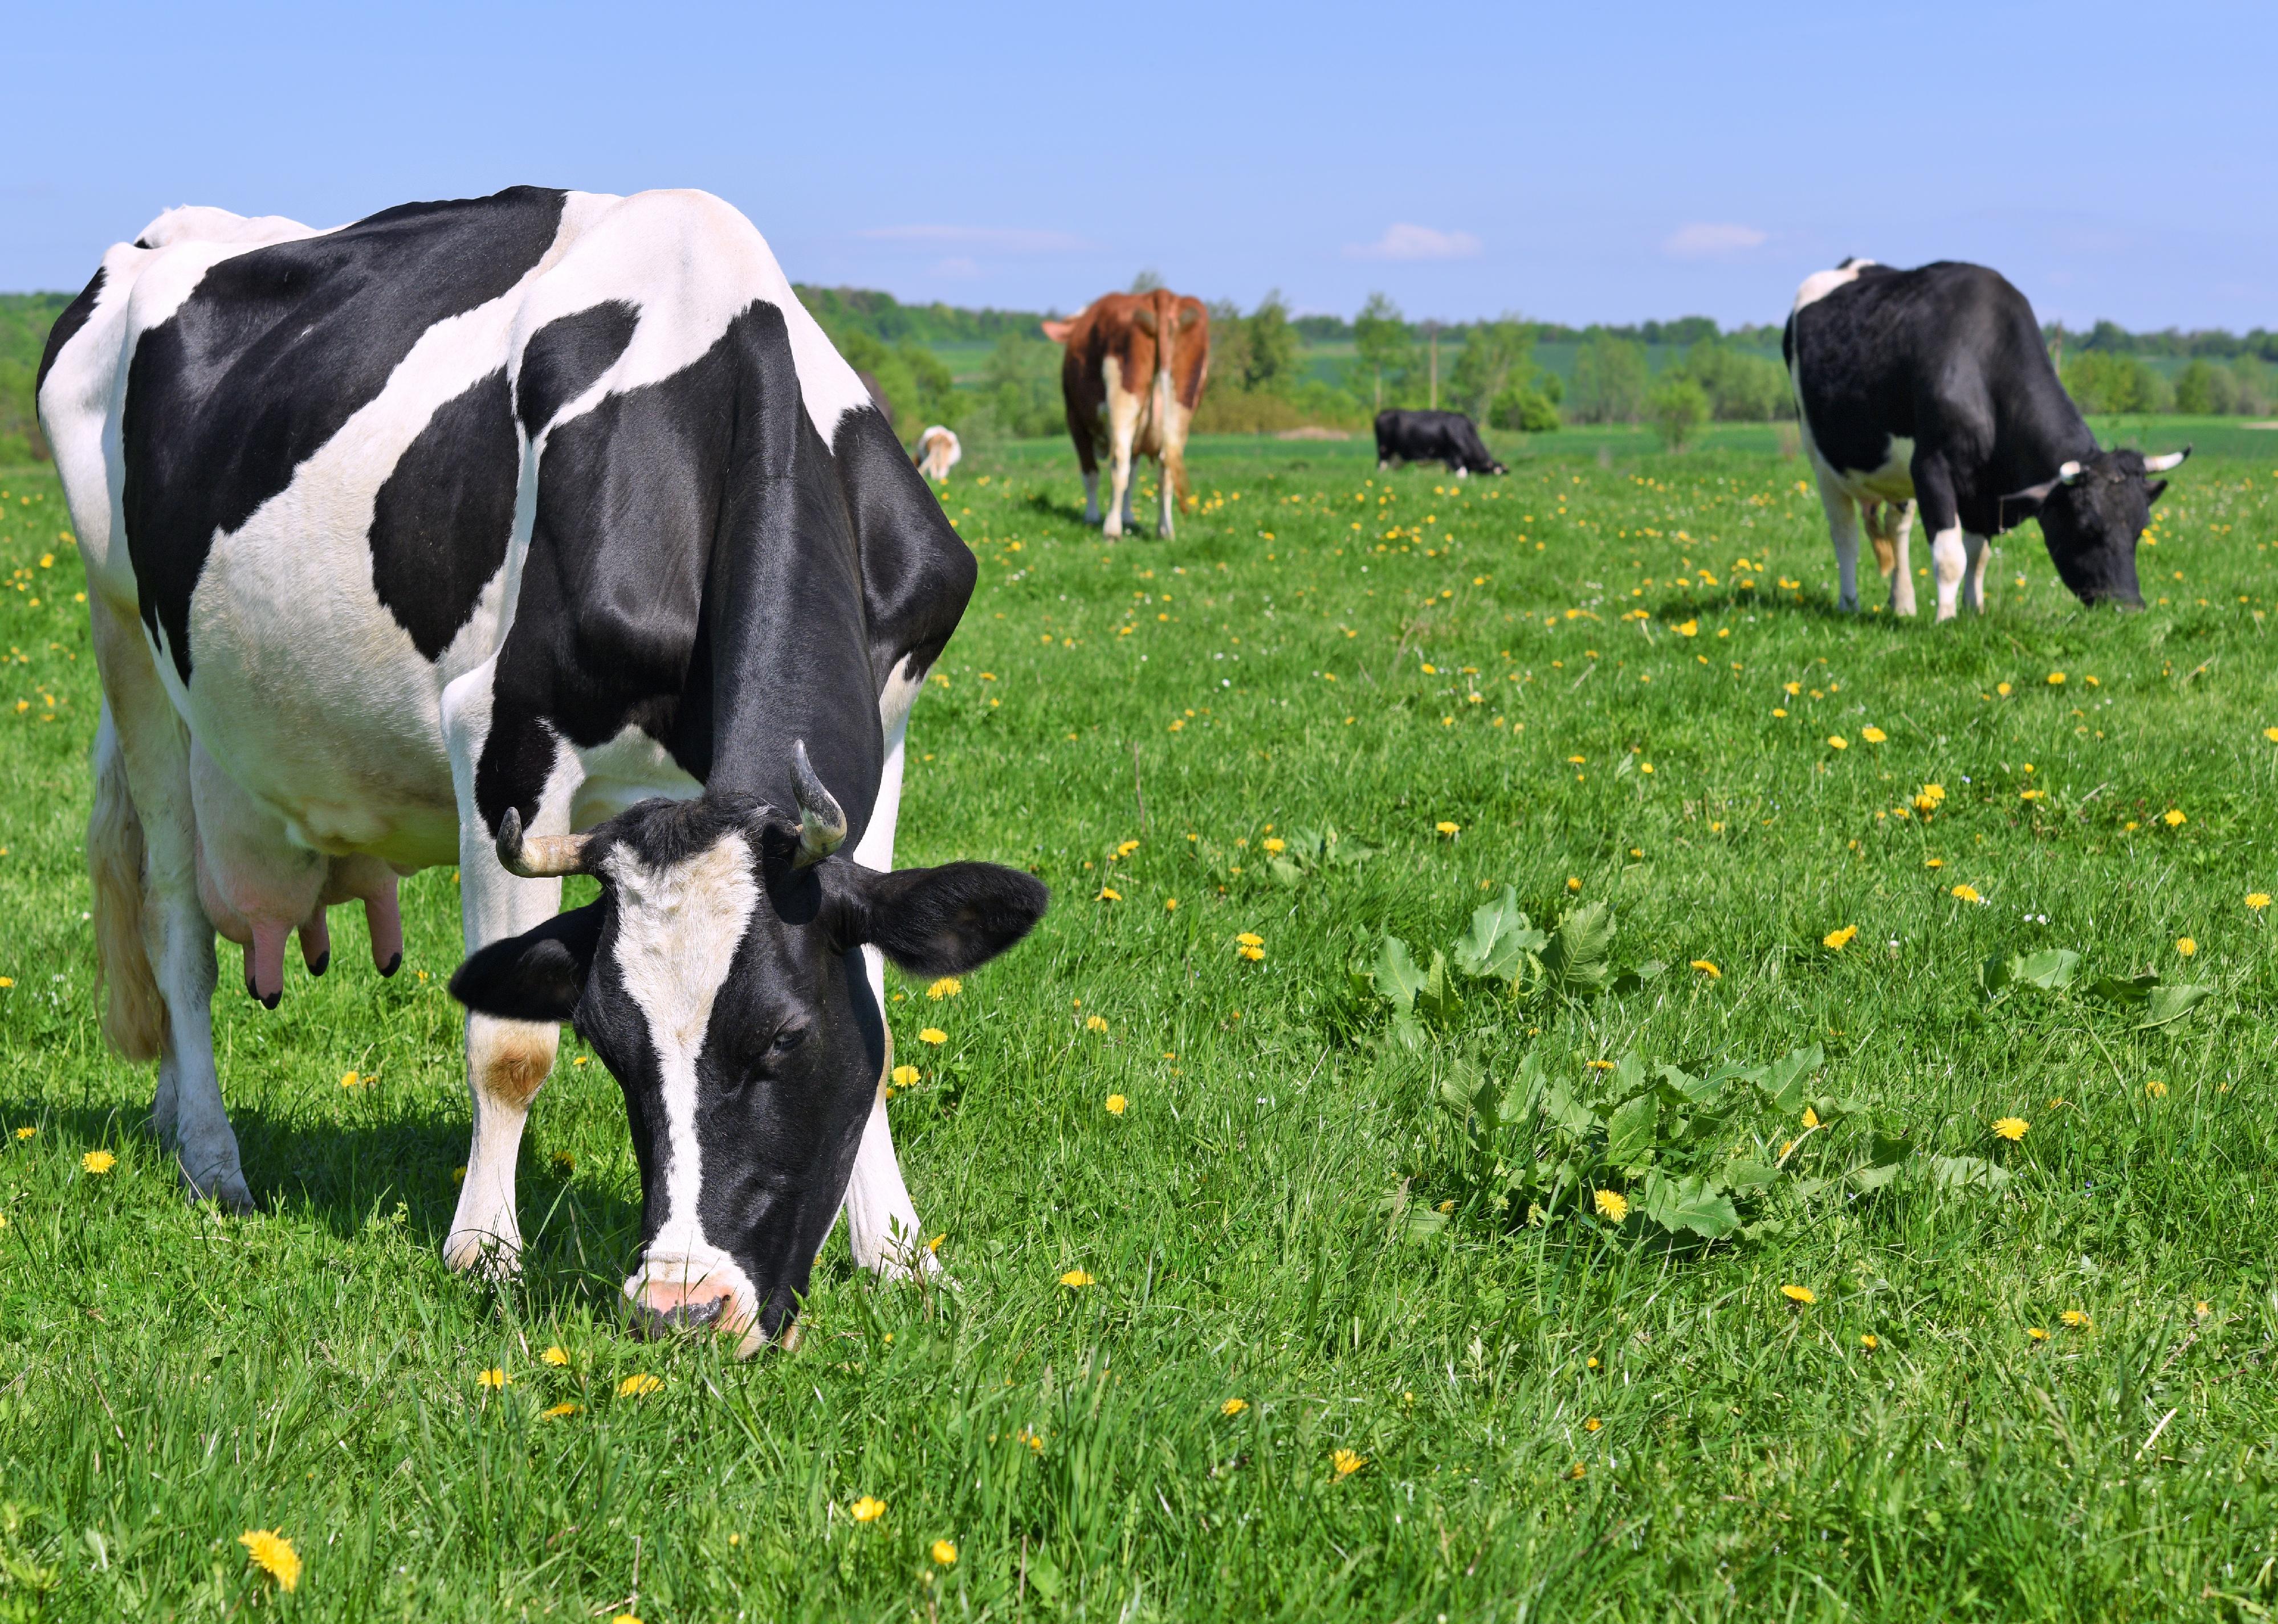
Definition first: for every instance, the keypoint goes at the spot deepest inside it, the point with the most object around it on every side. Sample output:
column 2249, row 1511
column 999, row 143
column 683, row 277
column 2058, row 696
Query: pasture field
column 2026, row 1377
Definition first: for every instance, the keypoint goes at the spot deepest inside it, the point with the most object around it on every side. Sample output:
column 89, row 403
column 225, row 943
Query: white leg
column 1948, row 558
column 1843, row 527
column 1122, row 429
column 508, row 1062
column 177, row 935
column 1902, row 578
column 1091, row 496
column 1164, row 509
column 1973, row 591
column 881, row 1221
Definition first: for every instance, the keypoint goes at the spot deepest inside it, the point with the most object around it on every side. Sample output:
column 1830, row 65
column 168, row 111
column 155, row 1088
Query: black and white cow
column 445, row 535
column 1932, row 387
column 1433, row 436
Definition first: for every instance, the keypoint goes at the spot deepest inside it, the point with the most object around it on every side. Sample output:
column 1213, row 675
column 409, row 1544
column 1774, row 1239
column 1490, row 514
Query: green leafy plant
column 1307, row 853
column 2056, row 970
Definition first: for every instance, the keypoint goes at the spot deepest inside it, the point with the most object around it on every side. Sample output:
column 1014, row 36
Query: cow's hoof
column 228, row 1193
column 486, row 1256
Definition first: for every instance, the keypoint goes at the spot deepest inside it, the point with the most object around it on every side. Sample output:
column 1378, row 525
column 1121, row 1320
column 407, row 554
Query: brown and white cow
column 939, row 450
column 1132, row 377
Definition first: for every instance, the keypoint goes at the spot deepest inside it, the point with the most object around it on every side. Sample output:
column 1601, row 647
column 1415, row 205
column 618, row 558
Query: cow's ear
column 1143, row 318
column 2151, row 491
column 1057, row 332
column 1189, row 315
column 936, row 921
column 537, row 976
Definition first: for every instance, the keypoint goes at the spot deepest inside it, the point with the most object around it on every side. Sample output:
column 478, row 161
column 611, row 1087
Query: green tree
column 1496, row 355
column 1387, row 349
column 2204, row 389
column 1609, row 379
column 2099, row 380
column 1271, row 358
column 1677, row 407
column 1741, row 387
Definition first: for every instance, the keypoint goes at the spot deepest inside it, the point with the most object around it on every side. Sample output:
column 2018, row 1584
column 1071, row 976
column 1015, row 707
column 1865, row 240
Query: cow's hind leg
column 1975, row 553
column 176, row 938
column 1902, row 571
column 1843, row 529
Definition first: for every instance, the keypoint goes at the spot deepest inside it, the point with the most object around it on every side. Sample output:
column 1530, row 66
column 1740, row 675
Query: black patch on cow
column 442, row 520
column 276, row 349
column 703, row 567
column 74, row 317
column 564, row 357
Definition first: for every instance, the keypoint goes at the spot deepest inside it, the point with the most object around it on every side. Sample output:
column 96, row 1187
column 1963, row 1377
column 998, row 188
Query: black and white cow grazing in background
column 1433, row 436
column 1932, row 387
column 440, row 537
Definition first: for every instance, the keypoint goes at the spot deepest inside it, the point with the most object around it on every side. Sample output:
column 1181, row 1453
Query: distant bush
column 1741, row 387
column 1677, row 407
column 2210, row 389
column 2100, row 381
column 1529, row 410
column 25, row 319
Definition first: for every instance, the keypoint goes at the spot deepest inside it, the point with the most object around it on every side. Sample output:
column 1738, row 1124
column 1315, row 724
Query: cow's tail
column 134, row 1009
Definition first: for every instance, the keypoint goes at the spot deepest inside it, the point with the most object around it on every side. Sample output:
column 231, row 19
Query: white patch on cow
column 1972, row 587
column 678, row 927
column 1819, row 283
column 622, row 773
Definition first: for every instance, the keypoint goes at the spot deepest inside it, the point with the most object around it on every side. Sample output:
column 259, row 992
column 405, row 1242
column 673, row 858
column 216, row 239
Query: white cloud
column 1709, row 239
column 1406, row 241
column 987, row 239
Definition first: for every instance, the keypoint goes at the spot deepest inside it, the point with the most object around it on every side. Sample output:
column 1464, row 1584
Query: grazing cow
column 938, row 451
column 1932, row 387
column 1132, row 377
column 541, row 534
column 1433, row 436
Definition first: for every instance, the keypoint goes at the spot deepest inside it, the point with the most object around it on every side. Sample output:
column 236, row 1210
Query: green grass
column 172, row 1379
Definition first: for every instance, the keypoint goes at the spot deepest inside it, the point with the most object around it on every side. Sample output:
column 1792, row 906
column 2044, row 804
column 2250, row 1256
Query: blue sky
column 1575, row 163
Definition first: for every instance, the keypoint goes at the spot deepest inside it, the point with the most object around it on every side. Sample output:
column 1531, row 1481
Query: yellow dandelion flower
column 1233, row 1407
column 1836, row 740
column 2056, row 679
column 2257, row 900
column 944, row 1553
column 948, row 987
column 2075, row 1318
column 350, row 1080
column 1838, row 939
column 1115, row 1104
column 2174, row 818
column 1873, row 735
column 28, row 1132
column 1447, row 828
column 866, row 1509
column 1592, row 1424
column 1578, row 1471
column 2011, row 1128
column 1707, row 969
column 1799, row 1294
column 1688, row 629
column 1170, row 904
column 268, row 1550
column 2156, row 1089
column 904, row 1076
column 493, row 1378
column 1127, row 847
column 1275, row 843
column 556, row 1355
column 1871, row 1342
column 1810, row 1117
column 638, row 1385
column 555, row 1412
column 2186, row 946
column 1251, row 939
column 1968, row 894
column 1075, row 1280
column 1108, row 893
column 934, row 1035
column 1252, row 954
column 98, row 1161
column 2037, row 1333
column 1095, row 1023
column 2271, row 734
column 1612, row 1205
column 1346, row 1462
column 1573, row 884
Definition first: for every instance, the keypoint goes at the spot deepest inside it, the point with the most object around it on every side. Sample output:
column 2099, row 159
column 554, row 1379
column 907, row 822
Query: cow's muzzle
column 655, row 1325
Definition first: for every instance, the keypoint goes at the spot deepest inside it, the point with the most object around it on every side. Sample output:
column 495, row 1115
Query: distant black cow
column 1433, row 436
column 1932, row 387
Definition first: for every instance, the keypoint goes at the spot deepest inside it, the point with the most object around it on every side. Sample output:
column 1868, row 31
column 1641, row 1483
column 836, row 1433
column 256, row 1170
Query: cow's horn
column 2161, row 465
column 543, row 857
column 822, row 821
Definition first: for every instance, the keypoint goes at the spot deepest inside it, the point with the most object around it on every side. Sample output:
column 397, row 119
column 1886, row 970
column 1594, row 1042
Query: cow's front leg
column 508, row 1061
column 1902, row 571
column 1975, row 551
column 1091, row 496
column 881, row 1221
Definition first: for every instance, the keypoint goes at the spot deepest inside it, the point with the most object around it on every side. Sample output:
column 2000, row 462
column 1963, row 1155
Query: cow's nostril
column 666, row 1311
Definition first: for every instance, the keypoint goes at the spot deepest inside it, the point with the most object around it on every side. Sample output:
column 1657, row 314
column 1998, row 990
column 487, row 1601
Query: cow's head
column 720, row 978
column 2091, row 514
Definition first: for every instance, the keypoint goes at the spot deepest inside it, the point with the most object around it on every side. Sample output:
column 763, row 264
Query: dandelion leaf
column 1574, row 959
column 1436, row 997
column 2171, row 1003
column 1286, row 872
column 1630, row 1131
column 2052, row 969
column 2134, row 989
column 1395, row 976
column 1501, row 941
column 1635, row 979
column 1692, row 1203
column 1967, row 1173
column 1783, row 1080
column 1422, row 1223
column 1745, row 1178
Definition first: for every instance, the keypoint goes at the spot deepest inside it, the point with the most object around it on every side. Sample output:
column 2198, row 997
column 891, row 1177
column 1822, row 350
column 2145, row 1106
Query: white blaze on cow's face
column 678, row 927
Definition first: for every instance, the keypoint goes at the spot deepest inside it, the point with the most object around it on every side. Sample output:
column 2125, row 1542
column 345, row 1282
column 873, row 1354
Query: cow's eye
column 789, row 1039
